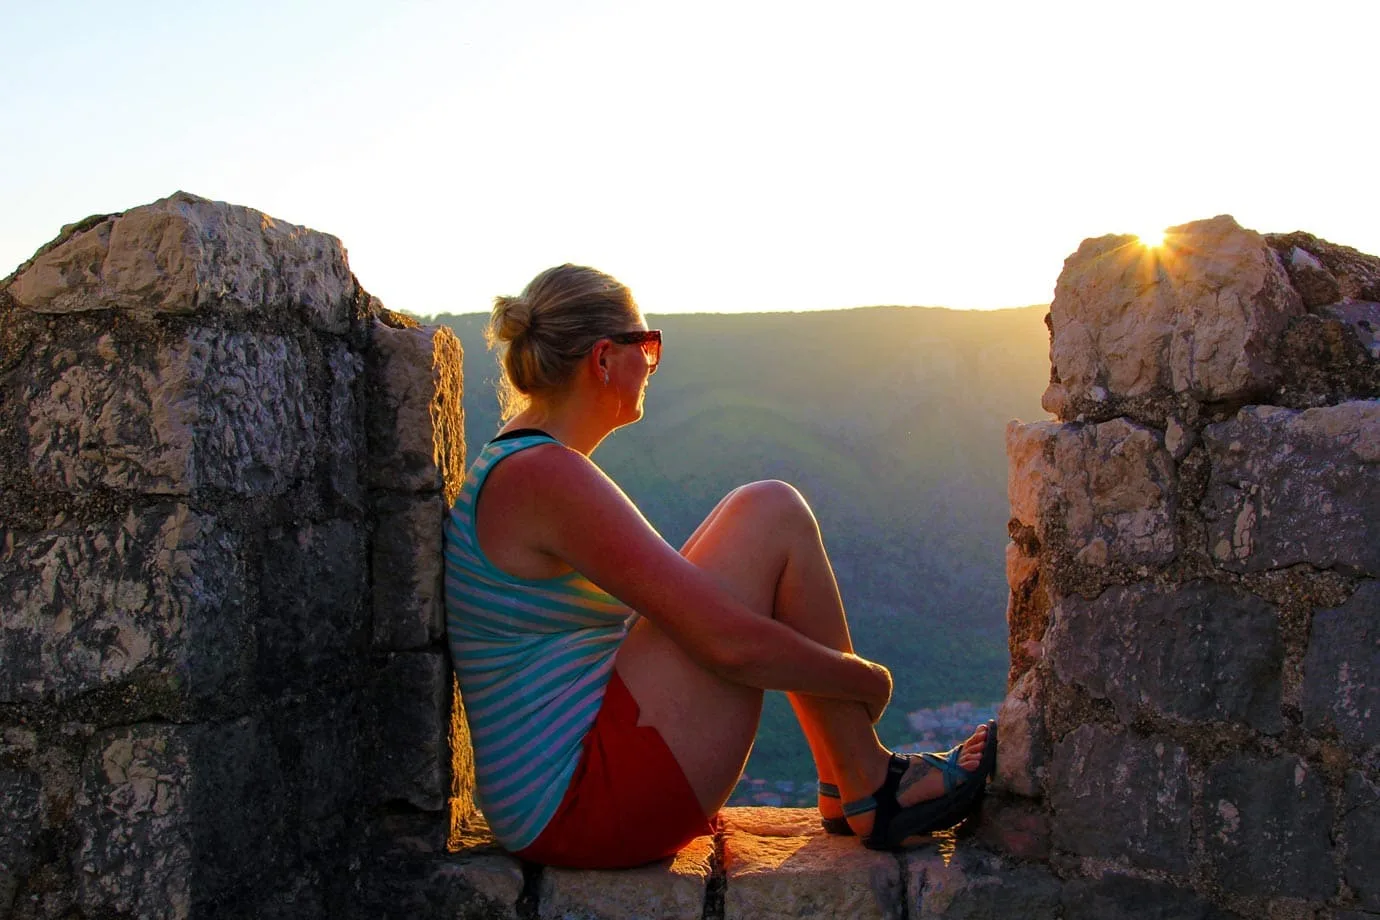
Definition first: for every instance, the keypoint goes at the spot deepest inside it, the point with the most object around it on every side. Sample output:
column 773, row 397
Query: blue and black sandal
column 893, row 824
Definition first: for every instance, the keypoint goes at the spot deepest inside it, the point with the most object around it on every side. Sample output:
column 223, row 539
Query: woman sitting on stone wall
column 604, row 739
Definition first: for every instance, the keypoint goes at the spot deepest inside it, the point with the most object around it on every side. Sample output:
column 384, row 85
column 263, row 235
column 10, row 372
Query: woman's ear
column 599, row 359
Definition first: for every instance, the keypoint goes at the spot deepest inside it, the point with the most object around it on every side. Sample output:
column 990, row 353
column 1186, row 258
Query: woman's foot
column 921, row 782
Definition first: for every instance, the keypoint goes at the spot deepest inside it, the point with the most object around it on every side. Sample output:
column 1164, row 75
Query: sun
column 1152, row 239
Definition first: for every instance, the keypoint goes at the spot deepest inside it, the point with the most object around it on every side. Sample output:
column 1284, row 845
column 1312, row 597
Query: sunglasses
column 649, row 339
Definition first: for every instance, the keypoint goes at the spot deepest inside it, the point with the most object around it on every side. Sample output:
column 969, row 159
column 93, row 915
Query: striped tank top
column 533, row 657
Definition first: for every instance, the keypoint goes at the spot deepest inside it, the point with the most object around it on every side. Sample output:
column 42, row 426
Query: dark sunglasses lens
column 652, row 349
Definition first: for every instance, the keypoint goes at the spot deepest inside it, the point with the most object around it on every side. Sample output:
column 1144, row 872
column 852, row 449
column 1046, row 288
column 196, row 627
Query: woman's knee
column 773, row 502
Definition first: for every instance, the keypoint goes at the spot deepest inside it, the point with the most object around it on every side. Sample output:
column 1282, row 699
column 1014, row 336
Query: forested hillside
column 890, row 420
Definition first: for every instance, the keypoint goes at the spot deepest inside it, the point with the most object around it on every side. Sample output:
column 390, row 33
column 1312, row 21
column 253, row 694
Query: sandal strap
column 828, row 790
column 883, row 801
column 947, row 764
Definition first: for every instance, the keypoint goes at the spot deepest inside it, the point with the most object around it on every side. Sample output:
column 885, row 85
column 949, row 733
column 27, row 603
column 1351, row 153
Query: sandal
column 837, row 826
column 892, row 823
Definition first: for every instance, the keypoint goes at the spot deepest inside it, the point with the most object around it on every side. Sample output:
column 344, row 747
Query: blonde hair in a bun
column 541, row 334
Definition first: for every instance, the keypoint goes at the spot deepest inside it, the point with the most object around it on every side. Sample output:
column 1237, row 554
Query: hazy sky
column 714, row 155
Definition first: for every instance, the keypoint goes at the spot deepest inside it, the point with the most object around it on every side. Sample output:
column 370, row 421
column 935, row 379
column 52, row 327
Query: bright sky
column 716, row 156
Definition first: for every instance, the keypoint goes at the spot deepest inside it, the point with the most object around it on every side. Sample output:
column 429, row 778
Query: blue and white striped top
column 533, row 658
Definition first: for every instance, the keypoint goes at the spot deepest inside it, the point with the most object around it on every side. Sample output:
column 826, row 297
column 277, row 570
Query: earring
column 606, row 376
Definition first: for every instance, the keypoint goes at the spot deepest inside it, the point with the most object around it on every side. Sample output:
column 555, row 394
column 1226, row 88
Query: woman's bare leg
column 763, row 545
column 824, row 765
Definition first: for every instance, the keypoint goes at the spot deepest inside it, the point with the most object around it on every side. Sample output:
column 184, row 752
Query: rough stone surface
column 416, row 423
column 183, row 253
column 1362, row 318
column 486, row 885
column 1341, row 683
column 19, row 791
column 153, row 600
column 1021, row 730
column 311, row 619
column 1331, row 357
column 410, row 699
column 1361, row 838
column 673, row 889
column 1355, row 274
column 1289, row 487
column 978, row 886
column 135, row 815
column 1315, row 284
column 1119, row 796
column 342, row 437
column 1027, row 606
column 1122, row 897
column 1201, row 316
column 1199, row 652
column 763, row 821
column 228, row 410
column 814, row 875
column 407, row 571
column 1014, row 826
column 1266, row 827
column 1107, row 487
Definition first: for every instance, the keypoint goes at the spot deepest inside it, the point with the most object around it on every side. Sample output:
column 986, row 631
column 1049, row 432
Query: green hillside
column 891, row 421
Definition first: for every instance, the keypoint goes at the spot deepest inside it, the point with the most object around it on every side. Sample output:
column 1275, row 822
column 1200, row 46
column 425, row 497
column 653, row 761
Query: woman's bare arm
column 568, row 509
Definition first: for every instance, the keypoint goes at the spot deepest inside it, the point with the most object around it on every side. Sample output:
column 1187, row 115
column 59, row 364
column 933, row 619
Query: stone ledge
column 766, row 863
column 762, row 863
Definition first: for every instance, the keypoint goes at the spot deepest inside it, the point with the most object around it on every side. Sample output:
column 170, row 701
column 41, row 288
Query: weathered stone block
column 1122, row 897
column 416, row 422
column 153, row 602
column 673, row 889
column 184, row 253
column 135, row 814
column 1021, row 730
column 978, row 886
column 239, row 812
column 227, row 410
column 764, row 821
column 1361, row 839
column 1362, row 318
column 486, row 885
column 1315, row 284
column 1331, row 357
column 1014, row 826
column 1199, row 652
column 342, row 436
column 803, row 874
column 312, row 621
column 1289, row 487
column 1340, row 687
column 407, row 571
column 409, row 700
column 1200, row 316
column 1100, row 493
column 19, row 792
column 1267, row 827
column 1027, row 610
column 1119, row 796
column 318, row 744
column 1356, row 275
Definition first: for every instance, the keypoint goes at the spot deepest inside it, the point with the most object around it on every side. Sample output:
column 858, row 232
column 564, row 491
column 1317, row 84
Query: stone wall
column 223, row 467
column 223, row 685
column 1194, row 565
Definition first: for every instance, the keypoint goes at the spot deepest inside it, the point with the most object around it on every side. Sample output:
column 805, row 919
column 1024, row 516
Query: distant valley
column 890, row 420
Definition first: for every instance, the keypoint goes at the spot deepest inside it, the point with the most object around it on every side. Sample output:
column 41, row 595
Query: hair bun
column 512, row 318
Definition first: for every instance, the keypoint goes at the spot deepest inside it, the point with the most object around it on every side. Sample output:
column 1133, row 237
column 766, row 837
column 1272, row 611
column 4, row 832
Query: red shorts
column 628, row 803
